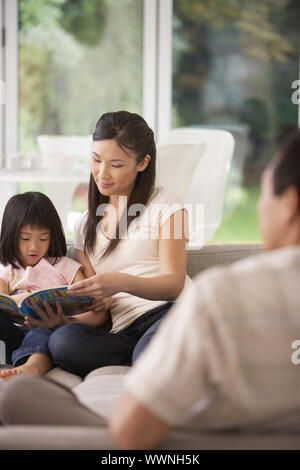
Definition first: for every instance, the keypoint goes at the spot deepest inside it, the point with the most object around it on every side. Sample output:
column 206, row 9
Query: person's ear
column 143, row 165
column 291, row 203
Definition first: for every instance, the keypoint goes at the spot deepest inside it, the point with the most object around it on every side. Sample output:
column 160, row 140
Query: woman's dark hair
column 132, row 134
column 35, row 209
column 286, row 167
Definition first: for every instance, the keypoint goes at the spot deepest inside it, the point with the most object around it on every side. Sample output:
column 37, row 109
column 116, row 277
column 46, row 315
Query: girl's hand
column 48, row 319
column 100, row 304
column 100, row 285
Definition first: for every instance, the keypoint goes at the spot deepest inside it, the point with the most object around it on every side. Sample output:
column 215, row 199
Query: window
column 77, row 60
column 180, row 63
column 233, row 66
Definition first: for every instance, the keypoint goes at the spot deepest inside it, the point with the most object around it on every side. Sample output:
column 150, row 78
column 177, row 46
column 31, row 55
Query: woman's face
column 272, row 213
column 114, row 171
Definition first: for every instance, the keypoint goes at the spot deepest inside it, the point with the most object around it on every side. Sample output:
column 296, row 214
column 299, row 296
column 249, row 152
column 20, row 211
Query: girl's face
column 113, row 170
column 34, row 244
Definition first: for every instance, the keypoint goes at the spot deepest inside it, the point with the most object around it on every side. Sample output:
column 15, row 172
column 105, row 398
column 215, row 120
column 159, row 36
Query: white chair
column 194, row 164
column 61, row 153
column 67, row 158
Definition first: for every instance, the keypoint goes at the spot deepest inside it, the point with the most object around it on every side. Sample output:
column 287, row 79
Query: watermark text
column 296, row 354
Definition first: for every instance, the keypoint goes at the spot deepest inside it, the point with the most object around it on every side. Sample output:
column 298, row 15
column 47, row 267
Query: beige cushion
column 108, row 370
column 212, row 255
column 63, row 377
column 71, row 380
column 101, row 388
column 100, row 392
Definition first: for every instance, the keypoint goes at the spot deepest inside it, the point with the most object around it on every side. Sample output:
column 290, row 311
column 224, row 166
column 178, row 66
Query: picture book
column 20, row 305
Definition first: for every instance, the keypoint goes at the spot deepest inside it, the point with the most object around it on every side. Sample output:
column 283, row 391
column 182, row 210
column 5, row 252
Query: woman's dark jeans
column 80, row 348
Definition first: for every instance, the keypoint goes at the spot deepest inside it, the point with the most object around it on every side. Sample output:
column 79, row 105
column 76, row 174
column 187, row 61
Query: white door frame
column 9, row 80
column 157, row 65
column 10, row 74
column 2, row 83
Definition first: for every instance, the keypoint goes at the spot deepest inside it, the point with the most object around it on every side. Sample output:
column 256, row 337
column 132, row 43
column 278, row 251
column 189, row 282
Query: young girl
column 32, row 256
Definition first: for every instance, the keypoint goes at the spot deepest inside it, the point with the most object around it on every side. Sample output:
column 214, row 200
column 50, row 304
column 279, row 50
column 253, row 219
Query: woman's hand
column 100, row 285
column 49, row 319
column 100, row 304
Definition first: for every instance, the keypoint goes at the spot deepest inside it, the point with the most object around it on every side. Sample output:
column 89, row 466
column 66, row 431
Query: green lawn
column 241, row 224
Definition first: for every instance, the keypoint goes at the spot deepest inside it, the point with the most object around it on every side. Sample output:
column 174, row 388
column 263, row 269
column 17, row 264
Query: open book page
column 9, row 306
column 18, row 298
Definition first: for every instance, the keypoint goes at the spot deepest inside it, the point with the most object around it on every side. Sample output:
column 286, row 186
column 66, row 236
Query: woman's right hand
column 101, row 304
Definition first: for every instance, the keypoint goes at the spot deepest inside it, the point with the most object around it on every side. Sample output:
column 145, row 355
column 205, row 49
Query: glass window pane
column 233, row 66
column 77, row 60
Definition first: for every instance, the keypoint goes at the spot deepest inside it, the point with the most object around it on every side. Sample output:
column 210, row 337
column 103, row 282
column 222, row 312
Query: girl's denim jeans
column 20, row 342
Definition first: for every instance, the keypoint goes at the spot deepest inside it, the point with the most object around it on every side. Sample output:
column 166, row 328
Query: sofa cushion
column 212, row 255
column 63, row 377
column 70, row 380
column 100, row 392
column 107, row 370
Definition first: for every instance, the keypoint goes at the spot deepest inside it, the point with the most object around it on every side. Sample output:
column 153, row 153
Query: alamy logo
column 296, row 94
column 2, row 92
column 296, row 354
column 2, row 352
column 190, row 227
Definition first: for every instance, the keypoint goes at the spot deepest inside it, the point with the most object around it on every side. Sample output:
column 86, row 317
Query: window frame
column 9, row 74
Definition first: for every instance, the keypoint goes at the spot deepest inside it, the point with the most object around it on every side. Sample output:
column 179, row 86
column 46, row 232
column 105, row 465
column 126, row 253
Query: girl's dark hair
column 35, row 209
column 131, row 133
column 286, row 167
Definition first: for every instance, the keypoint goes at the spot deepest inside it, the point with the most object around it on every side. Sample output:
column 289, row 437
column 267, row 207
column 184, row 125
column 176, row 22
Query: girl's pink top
column 43, row 275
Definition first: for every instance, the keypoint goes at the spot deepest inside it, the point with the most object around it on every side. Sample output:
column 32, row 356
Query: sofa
column 106, row 385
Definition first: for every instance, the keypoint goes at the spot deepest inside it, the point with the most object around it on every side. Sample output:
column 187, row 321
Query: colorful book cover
column 71, row 304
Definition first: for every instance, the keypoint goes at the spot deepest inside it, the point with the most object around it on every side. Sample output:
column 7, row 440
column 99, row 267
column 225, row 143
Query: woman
column 131, row 244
